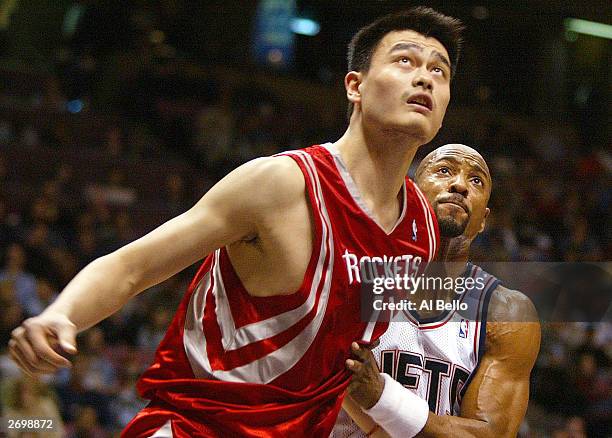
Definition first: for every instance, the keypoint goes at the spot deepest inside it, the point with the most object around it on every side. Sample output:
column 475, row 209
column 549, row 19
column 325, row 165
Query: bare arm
column 229, row 212
column 496, row 399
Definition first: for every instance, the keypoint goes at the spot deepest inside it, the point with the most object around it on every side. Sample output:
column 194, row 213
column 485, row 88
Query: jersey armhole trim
column 482, row 334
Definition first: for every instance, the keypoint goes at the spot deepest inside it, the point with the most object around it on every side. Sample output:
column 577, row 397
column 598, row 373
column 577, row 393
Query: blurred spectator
column 100, row 375
column 74, row 394
column 114, row 142
column 6, row 132
column 86, row 424
column 575, row 428
column 154, row 329
column 114, row 193
column 177, row 200
column 24, row 283
column 12, row 313
column 126, row 404
column 45, row 295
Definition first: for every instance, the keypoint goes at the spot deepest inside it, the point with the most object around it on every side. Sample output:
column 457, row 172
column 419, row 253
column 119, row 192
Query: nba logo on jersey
column 414, row 230
column 463, row 328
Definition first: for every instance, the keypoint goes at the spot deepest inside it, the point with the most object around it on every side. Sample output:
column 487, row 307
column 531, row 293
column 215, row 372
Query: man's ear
column 352, row 80
column 484, row 220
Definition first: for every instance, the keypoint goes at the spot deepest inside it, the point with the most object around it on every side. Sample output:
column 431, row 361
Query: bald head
column 458, row 150
column 456, row 180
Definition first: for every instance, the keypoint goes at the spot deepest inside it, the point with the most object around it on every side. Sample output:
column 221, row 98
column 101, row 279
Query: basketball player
column 258, row 344
column 456, row 373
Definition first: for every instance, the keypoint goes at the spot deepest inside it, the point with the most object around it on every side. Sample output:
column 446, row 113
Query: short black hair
column 421, row 19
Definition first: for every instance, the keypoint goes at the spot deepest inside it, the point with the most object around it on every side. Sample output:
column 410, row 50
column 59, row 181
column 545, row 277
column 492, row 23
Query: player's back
column 233, row 364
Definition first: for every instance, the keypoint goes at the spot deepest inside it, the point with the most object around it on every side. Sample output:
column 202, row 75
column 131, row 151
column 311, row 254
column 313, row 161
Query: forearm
column 98, row 291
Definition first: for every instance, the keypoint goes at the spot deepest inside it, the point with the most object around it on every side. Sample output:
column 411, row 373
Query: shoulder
column 513, row 329
column 508, row 305
column 267, row 181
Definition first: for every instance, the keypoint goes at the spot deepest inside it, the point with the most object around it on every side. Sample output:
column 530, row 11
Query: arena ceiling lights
column 304, row 26
column 592, row 28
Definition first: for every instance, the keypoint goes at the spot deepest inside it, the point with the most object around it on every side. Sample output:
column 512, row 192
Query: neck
column 378, row 161
column 453, row 256
column 454, row 252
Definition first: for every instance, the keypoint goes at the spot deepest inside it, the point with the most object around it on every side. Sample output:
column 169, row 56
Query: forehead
column 408, row 36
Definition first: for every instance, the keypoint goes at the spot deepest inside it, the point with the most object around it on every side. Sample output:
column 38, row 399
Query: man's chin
column 450, row 228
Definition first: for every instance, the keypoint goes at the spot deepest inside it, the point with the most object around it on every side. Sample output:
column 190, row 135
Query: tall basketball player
column 451, row 373
column 258, row 344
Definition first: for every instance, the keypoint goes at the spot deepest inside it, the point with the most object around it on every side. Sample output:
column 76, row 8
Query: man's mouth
column 458, row 204
column 422, row 100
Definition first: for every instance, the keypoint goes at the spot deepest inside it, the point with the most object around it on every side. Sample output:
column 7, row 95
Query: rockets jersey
column 236, row 365
column 435, row 358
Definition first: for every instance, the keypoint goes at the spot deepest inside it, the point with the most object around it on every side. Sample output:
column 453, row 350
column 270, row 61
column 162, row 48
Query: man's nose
column 459, row 185
column 423, row 79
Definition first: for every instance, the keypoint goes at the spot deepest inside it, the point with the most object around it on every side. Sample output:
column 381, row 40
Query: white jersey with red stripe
column 435, row 358
column 236, row 365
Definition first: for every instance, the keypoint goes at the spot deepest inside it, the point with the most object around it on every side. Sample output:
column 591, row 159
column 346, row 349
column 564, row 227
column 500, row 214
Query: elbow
column 131, row 277
column 491, row 430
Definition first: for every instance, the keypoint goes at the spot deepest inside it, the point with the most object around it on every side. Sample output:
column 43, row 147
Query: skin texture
column 260, row 211
column 496, row 399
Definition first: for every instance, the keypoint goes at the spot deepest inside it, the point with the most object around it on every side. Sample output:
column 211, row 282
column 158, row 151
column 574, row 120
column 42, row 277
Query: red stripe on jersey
column 222, row 359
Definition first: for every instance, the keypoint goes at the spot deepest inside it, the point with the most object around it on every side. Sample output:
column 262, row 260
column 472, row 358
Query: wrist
column 399, row 411
column 378, row 391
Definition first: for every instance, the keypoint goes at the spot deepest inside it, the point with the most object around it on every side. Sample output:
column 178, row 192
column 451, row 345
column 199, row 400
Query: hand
column 36, row 344
column 367, row 384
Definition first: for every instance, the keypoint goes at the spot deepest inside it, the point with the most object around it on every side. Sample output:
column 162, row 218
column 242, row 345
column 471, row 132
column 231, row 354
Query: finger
column 360, row 352
column 66, row 337
column 40, row 345
column 23, row 365
column 20, row 343
column 35, row 365
column 356, row 349
column 353, row 365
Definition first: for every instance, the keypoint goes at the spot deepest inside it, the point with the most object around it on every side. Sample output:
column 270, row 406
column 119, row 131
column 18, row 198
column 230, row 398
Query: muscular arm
column 496, row 399
column 229, row 212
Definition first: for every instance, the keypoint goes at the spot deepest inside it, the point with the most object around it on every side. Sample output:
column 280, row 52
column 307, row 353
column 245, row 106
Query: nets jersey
column 236, row 365
column 435, row 358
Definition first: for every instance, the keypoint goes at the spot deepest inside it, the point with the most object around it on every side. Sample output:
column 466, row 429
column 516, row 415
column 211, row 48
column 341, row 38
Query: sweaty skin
column 456, row 181
column 260, row 211
column 496, row 399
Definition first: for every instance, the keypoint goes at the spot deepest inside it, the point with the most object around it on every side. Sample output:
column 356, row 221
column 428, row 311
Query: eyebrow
column 475, row 165
column 407, row 46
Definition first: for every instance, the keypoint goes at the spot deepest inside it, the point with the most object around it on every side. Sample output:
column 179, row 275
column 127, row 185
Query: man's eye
column 404, row 60
column 444, row 170
column 477, row 180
